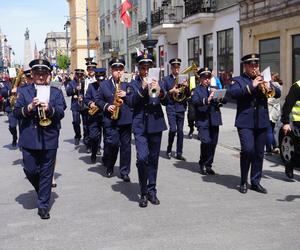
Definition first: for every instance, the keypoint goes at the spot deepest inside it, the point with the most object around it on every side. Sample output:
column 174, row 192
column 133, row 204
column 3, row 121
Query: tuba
column 181, row 95
column 118, row 102
column 267, row 92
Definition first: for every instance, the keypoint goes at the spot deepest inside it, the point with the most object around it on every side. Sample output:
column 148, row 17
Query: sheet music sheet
column 267, row 74
column 219, row 93
column 153, row 75
column 43, row 93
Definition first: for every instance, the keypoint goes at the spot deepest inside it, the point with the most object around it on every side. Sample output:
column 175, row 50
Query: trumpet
column 265, row 90
column 44, row 120
column 152, row 92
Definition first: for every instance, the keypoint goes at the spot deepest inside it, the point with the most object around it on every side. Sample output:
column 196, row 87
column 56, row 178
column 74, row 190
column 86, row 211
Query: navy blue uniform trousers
column 12, row 125
column 95, row 131
column 114, row 138
column 252, row 142
column 76, row 124
column 176, row 121
column 147, row 149
column 209, row 140
column 39, row 169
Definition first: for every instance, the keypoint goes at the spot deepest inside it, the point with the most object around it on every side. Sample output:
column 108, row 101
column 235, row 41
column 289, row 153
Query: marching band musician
column 75, row 88
column 9, row 91
column 117, row 129
column 148, row 124
column 90, row 78
column 95, row 116
column 208, row 119
column 252, row 120
column 28, row 77
column 175, row 108
column 39, row 141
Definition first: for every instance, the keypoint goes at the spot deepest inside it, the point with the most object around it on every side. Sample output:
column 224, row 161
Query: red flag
column 126, row 19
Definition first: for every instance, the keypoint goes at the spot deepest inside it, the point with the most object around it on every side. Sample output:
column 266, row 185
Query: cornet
column 153, row 92
column 44, row 121
column 266, row 91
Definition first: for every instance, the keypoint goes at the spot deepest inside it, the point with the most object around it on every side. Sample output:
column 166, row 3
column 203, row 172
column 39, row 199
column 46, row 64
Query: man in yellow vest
column 292, row 105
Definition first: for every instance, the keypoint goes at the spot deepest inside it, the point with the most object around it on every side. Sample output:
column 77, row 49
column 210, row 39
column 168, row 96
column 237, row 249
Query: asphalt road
column 90, row 211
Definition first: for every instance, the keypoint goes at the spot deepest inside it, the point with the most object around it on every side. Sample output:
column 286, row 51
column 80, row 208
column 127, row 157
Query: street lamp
column 149, row 43
column 66, row 28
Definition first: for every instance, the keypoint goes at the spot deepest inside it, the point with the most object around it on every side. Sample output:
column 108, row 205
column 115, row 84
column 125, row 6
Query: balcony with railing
column 193, row 7
column 165, row 17
column 106, row 46
column 266, row 10
column 115, row 46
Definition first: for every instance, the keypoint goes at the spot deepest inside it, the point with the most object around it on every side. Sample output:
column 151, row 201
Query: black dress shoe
column 98, row 152
column 77, row 141
column 243, row 188
column 109, row 172
column 180, row 157
column 210, row 171
column 153, row 199
column 289, row 171
column 258, row 188
column 14, row 143
column 125, row 178
column 93, row 158
column 168, row 154
column 202, row 170
column 54, row 185
column 143, row 201
column 43, row 213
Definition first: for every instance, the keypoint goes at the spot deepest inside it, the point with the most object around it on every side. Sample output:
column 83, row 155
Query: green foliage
column 63, row 61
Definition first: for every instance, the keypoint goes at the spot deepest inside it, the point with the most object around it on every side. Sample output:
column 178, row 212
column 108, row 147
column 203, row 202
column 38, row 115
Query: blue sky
column 40, row 16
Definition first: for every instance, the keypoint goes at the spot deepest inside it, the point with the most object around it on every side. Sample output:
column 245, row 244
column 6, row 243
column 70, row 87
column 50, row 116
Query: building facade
column 272, row 28
column 6, row 54
column 114, row 37
column 206, row 32
column 55, row 45
column 84, row 29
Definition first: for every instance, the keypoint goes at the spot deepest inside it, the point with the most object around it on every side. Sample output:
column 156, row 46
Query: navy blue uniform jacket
column 32, row 135
column 105, row 97
column 206, row 114
column 148, row 116
column 71, row 90
column 91, row 93
column 252, row 105
column 172, row 105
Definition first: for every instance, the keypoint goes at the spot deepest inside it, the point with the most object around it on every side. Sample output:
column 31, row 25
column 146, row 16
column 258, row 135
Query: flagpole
column 127, row 49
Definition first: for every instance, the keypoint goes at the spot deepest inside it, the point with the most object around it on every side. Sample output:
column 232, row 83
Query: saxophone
column 16, row 83
column 267, row 92
column 117, row 101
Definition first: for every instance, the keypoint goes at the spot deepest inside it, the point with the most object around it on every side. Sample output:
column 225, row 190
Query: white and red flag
column 124, row 14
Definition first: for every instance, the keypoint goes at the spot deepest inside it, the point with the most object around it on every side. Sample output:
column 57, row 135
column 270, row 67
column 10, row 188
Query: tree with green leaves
column 63, row 61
